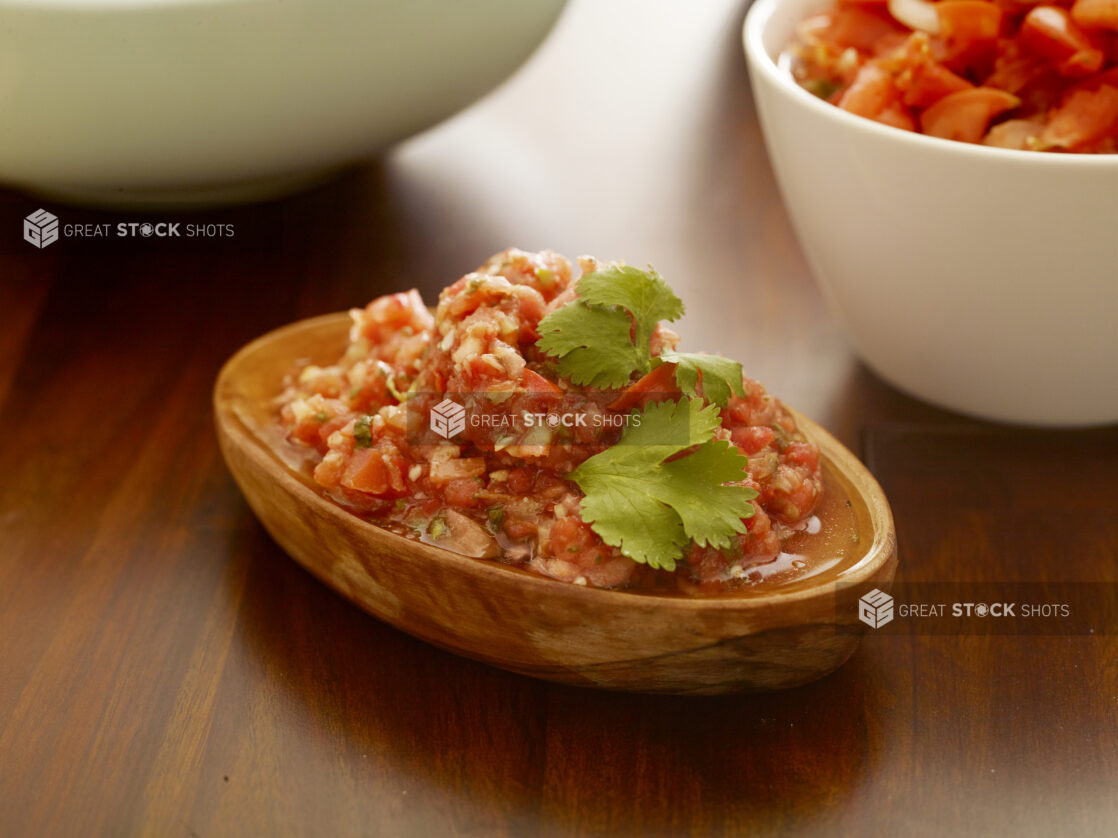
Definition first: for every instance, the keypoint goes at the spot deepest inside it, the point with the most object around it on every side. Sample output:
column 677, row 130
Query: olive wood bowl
column 526, row 623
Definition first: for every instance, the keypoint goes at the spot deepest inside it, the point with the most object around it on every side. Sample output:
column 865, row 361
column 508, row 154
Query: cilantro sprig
column 667, row 482
column 602, row 339
column 650, row 495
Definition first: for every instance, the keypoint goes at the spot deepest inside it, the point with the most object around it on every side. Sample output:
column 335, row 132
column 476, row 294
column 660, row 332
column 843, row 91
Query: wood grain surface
column 166, row 670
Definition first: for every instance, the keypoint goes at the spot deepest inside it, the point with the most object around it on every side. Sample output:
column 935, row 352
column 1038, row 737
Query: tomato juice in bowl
column 980, row 279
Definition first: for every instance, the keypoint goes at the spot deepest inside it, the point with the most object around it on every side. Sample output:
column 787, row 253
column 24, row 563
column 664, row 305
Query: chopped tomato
column 803, row 454
column 573, row 539
column 1016, row 67
column 898, row 116
column 860, row 27
column 968, row 34
column 654, row 386
column 1107, row 77
column 966, row 115
column 533, row 382
column 1049, row 31
column 335, row 424
column 365, row 472
column 927, row 83
column 873, row 94
column 1084, row 117
column 1020, row 134
column 370, row 394
column 752, row 438
column 445, row 471
column 969, row 24
column 890, row 44
column 1096, row 14
column 979, row 63
column 520, row 480
column 462, row 492
column 328, row 473
column 518, row 529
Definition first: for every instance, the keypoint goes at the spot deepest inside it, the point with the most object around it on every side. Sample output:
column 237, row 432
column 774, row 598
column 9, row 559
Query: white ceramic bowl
column 147, row 101
column 981, row 279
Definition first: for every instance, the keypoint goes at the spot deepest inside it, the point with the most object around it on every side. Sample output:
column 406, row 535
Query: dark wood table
column 165, row 669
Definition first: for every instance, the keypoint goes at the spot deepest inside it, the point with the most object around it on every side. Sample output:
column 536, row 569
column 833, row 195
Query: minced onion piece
column 916, row 14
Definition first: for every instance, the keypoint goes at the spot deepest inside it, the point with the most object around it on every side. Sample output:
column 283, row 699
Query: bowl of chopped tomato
column 533, row 475
column 951, row 170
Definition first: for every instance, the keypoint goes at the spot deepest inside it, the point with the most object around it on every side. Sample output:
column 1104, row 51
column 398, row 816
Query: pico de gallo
column 1005, row 73
column 542, row 417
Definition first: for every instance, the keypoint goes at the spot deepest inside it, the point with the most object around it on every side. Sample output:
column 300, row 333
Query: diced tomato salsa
column 486, row 493
column 1004, row 73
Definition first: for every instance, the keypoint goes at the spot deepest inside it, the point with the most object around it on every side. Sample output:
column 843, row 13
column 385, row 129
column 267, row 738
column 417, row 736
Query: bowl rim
column 756, row 25
column 878, row 554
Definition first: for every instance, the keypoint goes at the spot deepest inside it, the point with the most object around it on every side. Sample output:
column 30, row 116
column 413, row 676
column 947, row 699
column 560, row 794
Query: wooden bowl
column 526, row 623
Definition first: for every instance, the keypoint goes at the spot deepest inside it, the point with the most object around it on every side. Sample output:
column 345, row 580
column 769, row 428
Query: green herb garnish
column 649, row 498
column 823, row 88
column 362, row 435
column 602, row 338
column 720, row 376
column 496, row 516
column 390, row 382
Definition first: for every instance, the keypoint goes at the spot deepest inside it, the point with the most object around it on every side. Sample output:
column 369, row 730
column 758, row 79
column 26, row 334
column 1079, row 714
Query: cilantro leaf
column 669, row 427
column 644, row 498
column 603, row 337
column 720, row 376
column 592, row 343
column 643, row 293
